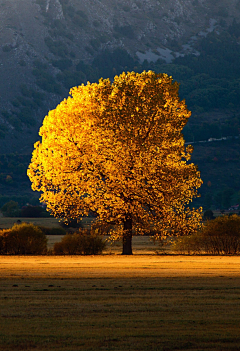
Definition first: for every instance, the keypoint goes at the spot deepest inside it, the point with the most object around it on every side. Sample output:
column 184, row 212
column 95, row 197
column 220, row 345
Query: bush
column 71, row 223
column 7, row 48
column 188, row 244
column 23, row 239
column 57, row 47
column 208, row 215
column 125, row 31
column 10, row 209
column 80, row 243
column 219, row 236
column 53, row 231
column 62, row 64
column 32, row 211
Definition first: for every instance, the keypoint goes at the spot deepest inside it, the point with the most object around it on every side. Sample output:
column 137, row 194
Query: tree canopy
column 117, row 149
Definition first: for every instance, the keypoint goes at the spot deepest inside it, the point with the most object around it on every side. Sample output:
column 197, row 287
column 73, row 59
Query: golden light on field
column 114, row 266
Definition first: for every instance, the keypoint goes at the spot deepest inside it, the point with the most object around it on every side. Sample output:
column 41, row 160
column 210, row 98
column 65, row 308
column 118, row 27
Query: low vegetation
column 82, row 242
column 220, row 236
column 52, row 231
column 29, row 239
column 23, row 239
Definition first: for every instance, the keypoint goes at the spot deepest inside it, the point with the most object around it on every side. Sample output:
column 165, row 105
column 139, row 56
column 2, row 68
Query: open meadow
column 114, row 302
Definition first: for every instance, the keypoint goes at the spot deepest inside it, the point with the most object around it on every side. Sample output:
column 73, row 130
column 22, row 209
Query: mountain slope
column 47, row 46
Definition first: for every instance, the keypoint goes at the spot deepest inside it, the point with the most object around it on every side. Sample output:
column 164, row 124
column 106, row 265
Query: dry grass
column 118, row 266
column 50, row 222
column 141, row 245
column 8, row 222
column 113, row 302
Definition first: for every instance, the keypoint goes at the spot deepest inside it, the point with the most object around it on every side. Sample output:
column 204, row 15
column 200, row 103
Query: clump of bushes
column 71, row 223
column 220, row 236
column 53, row 231
column 33, row 212
column 208, row 215
column 82, row 242
column 23, row 239
column 10, row 209
column 191, row 244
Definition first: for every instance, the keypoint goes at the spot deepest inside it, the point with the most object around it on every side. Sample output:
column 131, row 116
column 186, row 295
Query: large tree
column 117, row 149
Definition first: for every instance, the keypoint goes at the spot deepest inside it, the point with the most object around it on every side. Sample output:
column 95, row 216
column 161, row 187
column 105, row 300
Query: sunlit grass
column 116, row 266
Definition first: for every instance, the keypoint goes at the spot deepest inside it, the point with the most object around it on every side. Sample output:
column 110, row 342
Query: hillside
column 48, row 46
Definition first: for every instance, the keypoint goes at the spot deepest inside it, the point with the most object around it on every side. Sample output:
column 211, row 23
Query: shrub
column 190, row 244
column 7, row 48
column 80, row 19
column 56, row 47
column 10, row 209
column 62, row 64
column 23, row 239
column 219, row 236
column 125, row 31
column 80, row 243
column 32, row 211
column 71, row 223
column 222, row 235
column 208, row 214
column 53, row 231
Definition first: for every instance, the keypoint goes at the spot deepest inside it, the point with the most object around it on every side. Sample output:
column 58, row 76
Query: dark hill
column 48, row 46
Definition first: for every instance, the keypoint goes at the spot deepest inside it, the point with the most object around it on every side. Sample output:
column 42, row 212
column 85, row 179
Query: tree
column 208, row 215
column 10, row 209
column 116, row 149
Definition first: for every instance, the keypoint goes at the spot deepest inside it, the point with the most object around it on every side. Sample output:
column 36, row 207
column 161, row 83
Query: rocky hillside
column 47, row 46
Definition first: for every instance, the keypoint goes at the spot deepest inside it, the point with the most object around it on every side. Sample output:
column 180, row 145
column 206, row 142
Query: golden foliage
column 117, row 149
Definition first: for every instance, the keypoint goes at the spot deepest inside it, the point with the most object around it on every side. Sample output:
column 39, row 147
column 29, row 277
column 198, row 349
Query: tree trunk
column 127, row 237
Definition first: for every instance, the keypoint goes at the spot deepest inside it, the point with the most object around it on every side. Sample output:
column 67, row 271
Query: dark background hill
column 48, row 46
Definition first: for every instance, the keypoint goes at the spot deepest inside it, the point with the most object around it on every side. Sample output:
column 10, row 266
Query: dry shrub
column 52, row 231
column 218, row 236
column 80, row 243
column 23, row 239
column 191, row 244
column 222, row 235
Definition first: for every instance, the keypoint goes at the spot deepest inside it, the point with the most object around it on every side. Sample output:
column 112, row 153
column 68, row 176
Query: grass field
column 113, row 302
column 50, row 222
column 8, row 222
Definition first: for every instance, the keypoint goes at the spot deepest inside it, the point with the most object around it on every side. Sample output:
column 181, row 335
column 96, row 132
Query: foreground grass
column 113, row 302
